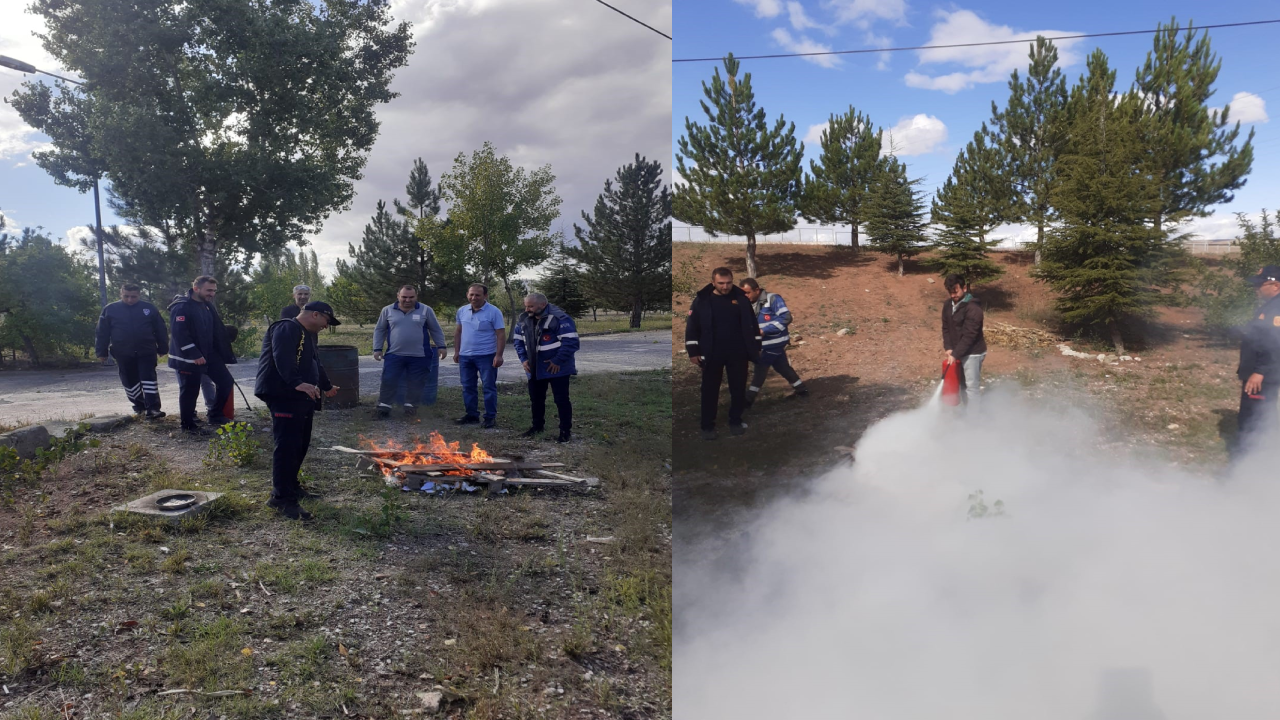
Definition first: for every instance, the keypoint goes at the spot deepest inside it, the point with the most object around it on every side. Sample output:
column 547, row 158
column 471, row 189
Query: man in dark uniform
column 301, row 296
column 1259, row 370
column 198, row 347
column 721, row 337
column 290, row 380
column 135, row 333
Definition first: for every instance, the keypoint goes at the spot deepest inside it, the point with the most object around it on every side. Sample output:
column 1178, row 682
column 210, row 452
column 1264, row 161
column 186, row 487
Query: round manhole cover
column 177, row 501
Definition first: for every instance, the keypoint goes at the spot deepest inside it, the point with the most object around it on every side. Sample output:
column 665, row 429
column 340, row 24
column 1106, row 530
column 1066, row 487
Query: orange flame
column 434, row 452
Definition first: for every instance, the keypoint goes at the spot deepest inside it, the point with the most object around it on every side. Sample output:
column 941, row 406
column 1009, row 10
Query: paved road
column 28, row 396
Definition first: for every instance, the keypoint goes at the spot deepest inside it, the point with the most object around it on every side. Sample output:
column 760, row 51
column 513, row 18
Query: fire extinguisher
column 951, row 382
column 229, row 410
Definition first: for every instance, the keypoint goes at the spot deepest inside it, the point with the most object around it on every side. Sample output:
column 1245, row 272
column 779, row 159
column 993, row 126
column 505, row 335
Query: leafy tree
column 348, row 298
column 1226, row 298
column 1030, row 135
column 274, row 277
column 625, row 248
column 501, row 214
column 745, row 178
column 1193, row 151
column 1104, row 258
column 48, row 297
column 233, row 122
column 895, row 214
column 973, row 201
column 562, row 283
column 842, row 175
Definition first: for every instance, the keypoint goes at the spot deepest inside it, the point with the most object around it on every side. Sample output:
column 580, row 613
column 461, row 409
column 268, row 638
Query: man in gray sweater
column 399, row 329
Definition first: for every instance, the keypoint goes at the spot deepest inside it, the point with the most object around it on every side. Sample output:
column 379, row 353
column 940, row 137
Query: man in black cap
column 1259, row 369
column 290, row 380
column 722, row 337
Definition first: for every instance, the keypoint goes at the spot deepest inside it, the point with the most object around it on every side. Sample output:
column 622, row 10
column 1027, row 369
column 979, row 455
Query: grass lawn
column 545, row 603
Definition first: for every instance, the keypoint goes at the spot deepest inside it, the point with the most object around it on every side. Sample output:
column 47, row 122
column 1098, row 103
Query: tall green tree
column 1224, row 295
column 48, row 298
column 1101, row 258
column 841, row 177
column 625, row 248
column 1030, row 134
column 745, row 177
column 562, row 283
column 423, row 197
column 502, row 215
column 1194, row 151
column 969, row 205
column 896, row 214
column 273, row 278
column 236, row 122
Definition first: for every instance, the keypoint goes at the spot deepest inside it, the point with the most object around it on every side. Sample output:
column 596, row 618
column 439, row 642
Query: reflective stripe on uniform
column 775, row 341
column 187, row 347
column 568, row 334
column 552, row 346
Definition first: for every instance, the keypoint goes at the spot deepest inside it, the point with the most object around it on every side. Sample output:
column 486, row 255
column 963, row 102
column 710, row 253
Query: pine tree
column 562, row 283
column 842, row 175
column 424, row 200
column 1193, row 153
column 895, row 214
column 972, row 202
column 1030, row 134
column 625, row 248
column 1099, row 259
column 745, row 177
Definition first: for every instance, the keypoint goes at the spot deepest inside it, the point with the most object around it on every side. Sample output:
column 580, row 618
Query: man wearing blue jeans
column 430, row 388
column 400, row 328
column 478, row 343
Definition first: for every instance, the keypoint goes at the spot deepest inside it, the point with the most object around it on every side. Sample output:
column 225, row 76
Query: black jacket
column 1260, row 344
column 131, row 331
column 290, row 311
column 699, row 330
column 962, row 328
column 288, row 359
column 197, row 333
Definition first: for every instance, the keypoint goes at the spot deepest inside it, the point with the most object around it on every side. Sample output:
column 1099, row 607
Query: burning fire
column 434, row 452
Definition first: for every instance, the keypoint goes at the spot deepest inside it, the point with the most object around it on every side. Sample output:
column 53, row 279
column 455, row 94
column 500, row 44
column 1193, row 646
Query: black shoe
column 410, row 411
column 155, row 415
column 467, row 420
column 709, row 434
column 218, row 421
column 291, row 510
column 197, row 431
column 739, row 429
column 381, row 413
column 489, row 424
column 801, row 391
column 563, row 437
column 137, row 409
column 531, row 432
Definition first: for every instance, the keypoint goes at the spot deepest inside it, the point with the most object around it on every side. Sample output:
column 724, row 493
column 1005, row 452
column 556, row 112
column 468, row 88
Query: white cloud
column 1247, row 109
column 864, row 12
column 17, row 139
column 803, row 44
column 987, row 64
column 801, row 21
column 917, row 135
column 763, row 8
column 814, row 136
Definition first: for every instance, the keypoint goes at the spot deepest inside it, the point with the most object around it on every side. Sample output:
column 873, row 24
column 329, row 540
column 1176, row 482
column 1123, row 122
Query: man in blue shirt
column 478, row 343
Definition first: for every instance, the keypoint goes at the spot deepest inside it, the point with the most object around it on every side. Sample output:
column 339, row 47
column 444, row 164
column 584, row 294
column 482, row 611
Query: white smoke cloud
column 1113, row 587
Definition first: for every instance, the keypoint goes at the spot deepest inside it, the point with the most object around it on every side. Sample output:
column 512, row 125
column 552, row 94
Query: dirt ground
column 1178, row 398
column 545, row 603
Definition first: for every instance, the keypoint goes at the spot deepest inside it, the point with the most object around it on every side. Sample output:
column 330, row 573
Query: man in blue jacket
column 546, row 341
column 199, row 346
column 773, row 318
column 1259, row 369
column 135, row 333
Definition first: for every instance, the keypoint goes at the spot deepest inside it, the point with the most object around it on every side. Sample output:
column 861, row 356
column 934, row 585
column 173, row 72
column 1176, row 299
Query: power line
column 975, row 44
column 602, row 2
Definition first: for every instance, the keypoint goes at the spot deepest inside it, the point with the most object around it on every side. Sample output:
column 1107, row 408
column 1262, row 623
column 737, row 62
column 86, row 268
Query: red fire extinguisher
column 951, row 383
column 229, row 410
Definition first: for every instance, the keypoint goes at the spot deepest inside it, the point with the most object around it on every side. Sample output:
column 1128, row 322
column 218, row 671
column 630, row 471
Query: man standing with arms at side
column 479, row 340
column 199, row 346
column 136, row 335
column 290, row 380
column 722, row 337
column 400, row 328
column 1259, row 369
column 301, row 296
column 546, row 340
column 962, row 338
column 772, row 318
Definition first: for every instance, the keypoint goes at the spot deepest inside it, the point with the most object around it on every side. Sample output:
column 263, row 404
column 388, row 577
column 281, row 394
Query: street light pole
column 20, row 66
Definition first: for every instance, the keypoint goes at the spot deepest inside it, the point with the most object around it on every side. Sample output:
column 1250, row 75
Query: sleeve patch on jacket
column 180, row 318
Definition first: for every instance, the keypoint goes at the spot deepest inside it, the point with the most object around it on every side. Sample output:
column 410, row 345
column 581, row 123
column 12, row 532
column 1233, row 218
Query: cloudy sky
column 932, row 101
column 568, row 83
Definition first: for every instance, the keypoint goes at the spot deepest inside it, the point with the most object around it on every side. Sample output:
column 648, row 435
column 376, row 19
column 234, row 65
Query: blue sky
column 936, row 100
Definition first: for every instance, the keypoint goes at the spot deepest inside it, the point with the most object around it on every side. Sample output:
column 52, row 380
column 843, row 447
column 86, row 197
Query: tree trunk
column 593, row 314
column 1039, row 240
column 854, row 227
column 751, row 255
column 1116, row 338
column 901, row 268
column 637, row 309
column 207, row 252
column 31, row 348
column 511, row 329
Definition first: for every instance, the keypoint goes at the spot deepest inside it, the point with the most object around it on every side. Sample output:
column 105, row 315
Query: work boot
column 155, row 414
column 196, row 431
column 218, row 421
column 489, row 424
column 291, row 510
column 709, row 434
column 739, row 429
column 531, row 432
column 410, row 411
column 799, row 391
column 751, row 398
column 137, row 409
column 381, row 413
column 467, row 420
column 563, row 437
